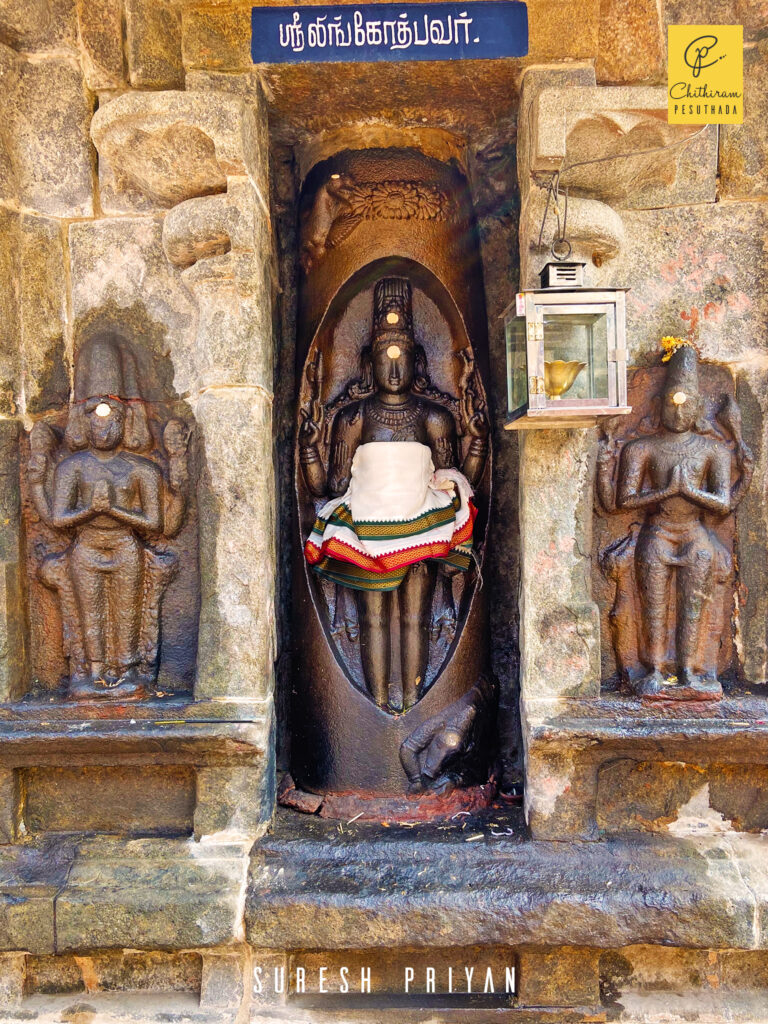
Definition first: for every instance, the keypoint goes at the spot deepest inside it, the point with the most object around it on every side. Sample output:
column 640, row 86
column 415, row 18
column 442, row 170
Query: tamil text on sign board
column 478, row 30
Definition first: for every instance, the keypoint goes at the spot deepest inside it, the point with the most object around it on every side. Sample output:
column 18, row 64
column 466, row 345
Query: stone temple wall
column 149, row 183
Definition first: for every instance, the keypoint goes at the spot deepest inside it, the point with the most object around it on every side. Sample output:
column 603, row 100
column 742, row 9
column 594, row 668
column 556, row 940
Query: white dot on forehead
column 103, row 409
column 393, row 318
column 679, row 398
column 393, row 351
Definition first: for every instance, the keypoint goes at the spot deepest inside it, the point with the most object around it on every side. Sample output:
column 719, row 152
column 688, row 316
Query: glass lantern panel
column 576, row 353
column 517, row 365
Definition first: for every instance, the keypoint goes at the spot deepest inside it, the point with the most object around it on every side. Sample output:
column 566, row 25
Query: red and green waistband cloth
column 376, row 555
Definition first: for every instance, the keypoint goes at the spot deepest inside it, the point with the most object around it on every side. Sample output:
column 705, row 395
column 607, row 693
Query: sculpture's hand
column 309, row 431
column 676, row 483
column 176, row 439
column 477, row 425
column 101, row 500
column 37, row 467
column 42, row 443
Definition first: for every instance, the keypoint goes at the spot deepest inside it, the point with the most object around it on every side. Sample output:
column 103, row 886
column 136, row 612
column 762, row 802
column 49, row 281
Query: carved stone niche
column 393, row 704
column 111, row 536
column 669, row 481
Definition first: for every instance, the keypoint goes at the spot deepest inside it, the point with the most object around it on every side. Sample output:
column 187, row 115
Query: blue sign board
column 477, row 30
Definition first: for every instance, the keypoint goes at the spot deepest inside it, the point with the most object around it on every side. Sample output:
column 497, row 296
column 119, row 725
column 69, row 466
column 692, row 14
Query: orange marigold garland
column 670, row 345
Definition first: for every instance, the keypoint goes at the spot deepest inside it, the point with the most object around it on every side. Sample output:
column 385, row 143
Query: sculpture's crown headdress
column 392, row 307
column 106, row 366
column 682, row 366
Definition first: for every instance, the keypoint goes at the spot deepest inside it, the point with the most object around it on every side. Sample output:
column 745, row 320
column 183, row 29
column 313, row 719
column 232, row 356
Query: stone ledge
column 30, row 878
column 151, row 894
column 314, row 887
column 627, row 725
column 66, row 895
column 568, row 741
column 191, row 732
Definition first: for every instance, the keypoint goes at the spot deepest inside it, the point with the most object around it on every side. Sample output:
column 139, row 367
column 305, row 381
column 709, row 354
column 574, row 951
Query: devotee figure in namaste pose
column 110, row 499
column 399, row 506
column 679, row 475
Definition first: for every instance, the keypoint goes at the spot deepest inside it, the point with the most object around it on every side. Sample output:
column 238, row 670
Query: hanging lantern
column 566, row 352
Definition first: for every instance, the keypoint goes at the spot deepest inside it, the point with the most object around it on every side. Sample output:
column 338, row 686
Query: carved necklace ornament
column 395, row 417
column 671, row 573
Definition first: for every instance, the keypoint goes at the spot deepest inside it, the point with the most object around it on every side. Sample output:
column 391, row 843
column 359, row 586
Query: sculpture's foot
column 650, row 685
column 129, row 686
column 686, row 687
column 394, row 700
column 691, row 686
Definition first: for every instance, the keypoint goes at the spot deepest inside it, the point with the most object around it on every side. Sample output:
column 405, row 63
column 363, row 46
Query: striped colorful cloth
column 397, row 511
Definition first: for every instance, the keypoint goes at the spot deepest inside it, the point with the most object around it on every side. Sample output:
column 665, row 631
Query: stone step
column 314, row 886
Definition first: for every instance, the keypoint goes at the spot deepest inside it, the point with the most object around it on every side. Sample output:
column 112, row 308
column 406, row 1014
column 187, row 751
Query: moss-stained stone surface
column 134, row 801
column 566, row 977
column 10, row 331
column 39, row 25
column 654, row 796
column 42, row 306
column 13, row 642
column 231, row 286
column 120, row 274
column 217, row 37
column 563, row 30
column 100, row 32
column 29, row 881
column 234, row 801
column 161, row 148
column 632, row 42
column 752, row 14
column 570, row 743
column 153, row 44
column 237, row 620
column 744, row 148
column 255, row 141
column 696, row 269
column 49, row 116
column 560, row 632
column 151, row 894
column 10, row 65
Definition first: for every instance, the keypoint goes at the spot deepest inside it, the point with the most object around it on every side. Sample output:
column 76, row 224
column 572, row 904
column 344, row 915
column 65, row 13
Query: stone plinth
column 654, row 889
column 575, row 788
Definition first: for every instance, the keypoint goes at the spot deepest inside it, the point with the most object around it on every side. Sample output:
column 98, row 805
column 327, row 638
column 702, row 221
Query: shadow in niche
column 180, row 605
column 364, row 214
